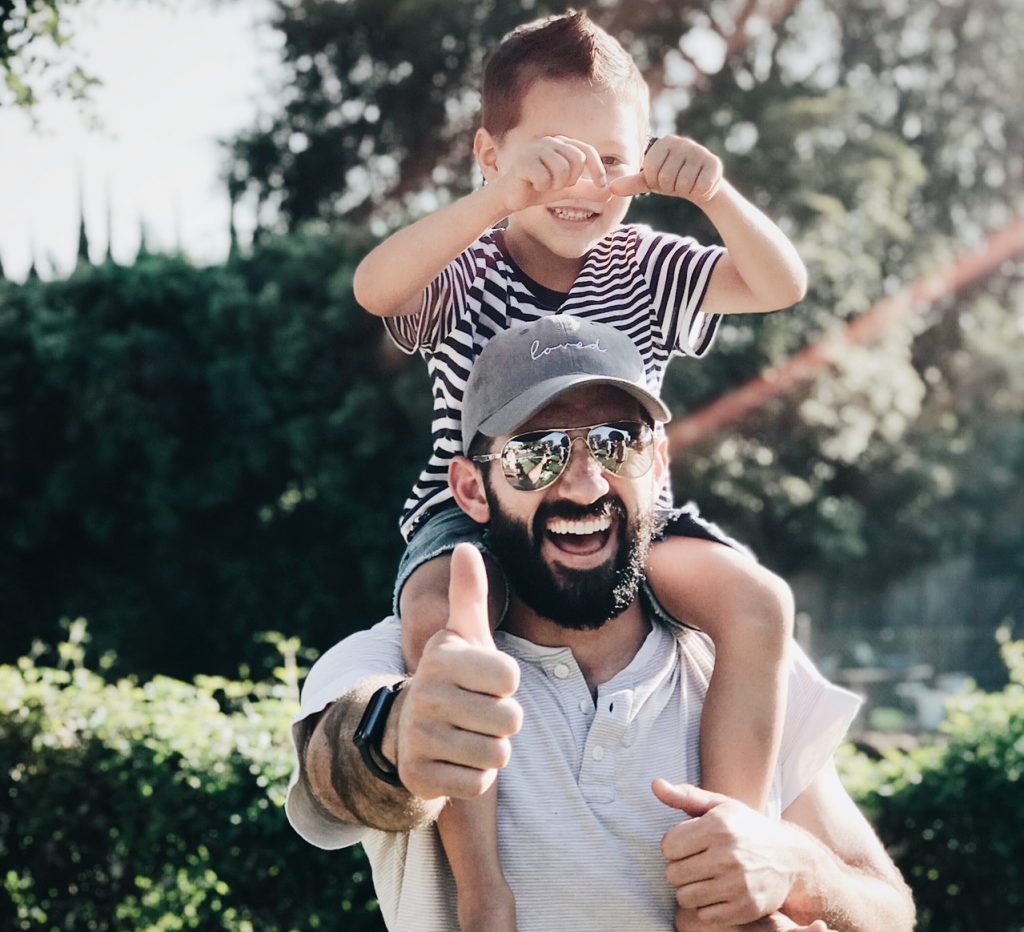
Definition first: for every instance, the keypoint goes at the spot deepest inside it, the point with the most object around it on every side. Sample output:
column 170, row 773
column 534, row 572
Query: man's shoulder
column 362, row 653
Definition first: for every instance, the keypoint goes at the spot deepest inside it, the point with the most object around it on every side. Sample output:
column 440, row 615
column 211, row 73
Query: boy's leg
column 469, row 833
column 747, row 611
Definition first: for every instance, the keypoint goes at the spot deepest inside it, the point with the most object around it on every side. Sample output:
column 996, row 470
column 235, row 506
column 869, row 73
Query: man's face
column 576, row 551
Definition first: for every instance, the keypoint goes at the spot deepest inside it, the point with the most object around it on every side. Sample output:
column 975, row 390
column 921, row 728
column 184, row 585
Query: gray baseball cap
column 524, row 368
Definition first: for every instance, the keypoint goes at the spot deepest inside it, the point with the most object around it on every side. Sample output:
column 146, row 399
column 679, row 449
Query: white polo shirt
column 579, row 828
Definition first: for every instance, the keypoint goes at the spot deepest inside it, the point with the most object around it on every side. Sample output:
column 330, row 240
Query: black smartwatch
column 370, row 733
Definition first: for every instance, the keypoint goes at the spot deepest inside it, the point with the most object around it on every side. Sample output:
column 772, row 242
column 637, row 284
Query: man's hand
column 550, row 169
column 676, row 167
column 728, row 864
column 456, row 714
column 687, row 921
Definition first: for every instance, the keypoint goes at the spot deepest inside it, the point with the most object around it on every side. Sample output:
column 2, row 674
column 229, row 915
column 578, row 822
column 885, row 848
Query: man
column 591, row 710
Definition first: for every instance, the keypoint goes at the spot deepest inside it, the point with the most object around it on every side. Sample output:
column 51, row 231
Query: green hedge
column 952, row 812
column 158, row 806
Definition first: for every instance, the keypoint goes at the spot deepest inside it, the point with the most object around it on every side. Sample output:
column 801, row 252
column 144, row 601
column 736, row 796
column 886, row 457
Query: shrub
column 952, row 813
column 191, row 455
column 158, row 806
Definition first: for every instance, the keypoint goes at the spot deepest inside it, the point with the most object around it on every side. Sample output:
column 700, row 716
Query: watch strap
column 370, row 733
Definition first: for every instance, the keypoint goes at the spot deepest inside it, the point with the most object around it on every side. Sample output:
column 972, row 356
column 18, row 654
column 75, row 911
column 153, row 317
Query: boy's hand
column 546, row 171
column 676, row 167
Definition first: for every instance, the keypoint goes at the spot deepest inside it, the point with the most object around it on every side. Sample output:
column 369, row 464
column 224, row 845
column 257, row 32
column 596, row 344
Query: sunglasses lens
column 624, row 449
column 534, row 461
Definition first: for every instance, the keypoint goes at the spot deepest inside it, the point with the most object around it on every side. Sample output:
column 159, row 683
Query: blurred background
column 204, row 441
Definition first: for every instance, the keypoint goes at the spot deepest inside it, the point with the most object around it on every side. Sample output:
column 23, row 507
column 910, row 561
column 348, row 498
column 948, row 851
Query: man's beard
column 575, row 599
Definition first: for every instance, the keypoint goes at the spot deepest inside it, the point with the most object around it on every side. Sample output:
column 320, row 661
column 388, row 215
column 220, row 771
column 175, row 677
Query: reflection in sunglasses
column 533, row 461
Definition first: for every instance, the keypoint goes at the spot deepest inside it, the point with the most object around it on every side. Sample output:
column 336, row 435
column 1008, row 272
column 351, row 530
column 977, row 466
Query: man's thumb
column 467, row 596
column 690, row 799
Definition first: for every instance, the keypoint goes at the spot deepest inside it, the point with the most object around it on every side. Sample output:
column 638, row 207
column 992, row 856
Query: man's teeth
column 573, row 213
column 588, row 526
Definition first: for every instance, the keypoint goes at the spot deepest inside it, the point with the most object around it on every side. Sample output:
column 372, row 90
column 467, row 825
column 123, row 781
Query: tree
column 192, row 455
column 37, row 56
column 885, row 136
column 379, row 101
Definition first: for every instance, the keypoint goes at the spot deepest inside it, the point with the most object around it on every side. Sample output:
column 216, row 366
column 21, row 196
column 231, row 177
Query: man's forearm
column 842, row 872
column 849, row 897
column 340, row 782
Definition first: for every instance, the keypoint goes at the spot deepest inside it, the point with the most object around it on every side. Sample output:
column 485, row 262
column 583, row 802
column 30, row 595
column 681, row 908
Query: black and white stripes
column 649, row 285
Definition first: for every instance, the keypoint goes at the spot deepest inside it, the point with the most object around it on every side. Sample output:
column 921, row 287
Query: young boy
column 562, row 148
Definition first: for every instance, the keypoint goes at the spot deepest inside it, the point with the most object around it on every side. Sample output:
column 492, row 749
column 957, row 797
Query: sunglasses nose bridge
column 579, row 438
column 590, row 460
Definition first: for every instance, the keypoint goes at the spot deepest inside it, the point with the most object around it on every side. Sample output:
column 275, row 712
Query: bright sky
column 175, row 81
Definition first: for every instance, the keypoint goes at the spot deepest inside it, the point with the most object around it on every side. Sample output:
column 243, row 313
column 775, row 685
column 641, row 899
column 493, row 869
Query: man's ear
column 467, row 485
column 486, row 151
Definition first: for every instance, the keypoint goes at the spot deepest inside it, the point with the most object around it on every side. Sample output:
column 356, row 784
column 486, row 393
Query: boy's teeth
column 573, row 213
column 588, row 526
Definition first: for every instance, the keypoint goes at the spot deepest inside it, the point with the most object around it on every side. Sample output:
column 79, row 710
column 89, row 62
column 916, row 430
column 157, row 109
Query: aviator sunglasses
column 534, row 460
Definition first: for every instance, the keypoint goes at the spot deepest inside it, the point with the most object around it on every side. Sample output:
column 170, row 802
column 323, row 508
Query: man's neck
column 600, row 652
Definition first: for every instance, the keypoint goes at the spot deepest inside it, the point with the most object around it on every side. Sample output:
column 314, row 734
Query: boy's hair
column 557, row 48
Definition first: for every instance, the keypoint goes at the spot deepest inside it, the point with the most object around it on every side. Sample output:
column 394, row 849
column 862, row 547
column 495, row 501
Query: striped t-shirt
column 649, row 285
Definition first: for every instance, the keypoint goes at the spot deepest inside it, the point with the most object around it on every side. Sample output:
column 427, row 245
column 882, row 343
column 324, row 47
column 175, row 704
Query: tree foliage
column 190, row 455
column 952, row 812
column 36, row 53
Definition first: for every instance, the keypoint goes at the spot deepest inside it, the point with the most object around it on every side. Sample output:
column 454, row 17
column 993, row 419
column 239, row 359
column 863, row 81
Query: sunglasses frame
column 573, row 434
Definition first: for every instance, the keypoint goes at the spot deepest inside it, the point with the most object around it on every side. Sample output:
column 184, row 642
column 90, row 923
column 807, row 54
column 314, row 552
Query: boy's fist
column 676, row 167
column 547, row 168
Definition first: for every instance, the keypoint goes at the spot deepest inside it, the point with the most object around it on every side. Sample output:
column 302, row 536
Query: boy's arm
column 761, row 270
column 390, row 281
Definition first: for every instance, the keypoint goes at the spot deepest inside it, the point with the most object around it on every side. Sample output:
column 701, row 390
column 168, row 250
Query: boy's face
column 613, row 124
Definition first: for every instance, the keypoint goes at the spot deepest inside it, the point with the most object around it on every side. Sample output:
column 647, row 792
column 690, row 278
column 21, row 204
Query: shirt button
column 561, row 671
column 584, row 705
column 598, row 752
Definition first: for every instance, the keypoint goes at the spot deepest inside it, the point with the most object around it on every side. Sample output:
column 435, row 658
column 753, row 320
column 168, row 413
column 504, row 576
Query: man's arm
column 339, row 782
column 730, row 864
column 448, row 730
column 761, row 270
column 848, row 878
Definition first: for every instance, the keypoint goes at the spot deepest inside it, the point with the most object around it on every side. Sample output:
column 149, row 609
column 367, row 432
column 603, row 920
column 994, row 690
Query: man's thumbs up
column 467, row 597
column 459, row 710
column 690, row 799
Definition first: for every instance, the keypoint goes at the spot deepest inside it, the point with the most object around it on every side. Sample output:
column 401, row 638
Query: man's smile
column 579, row 543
